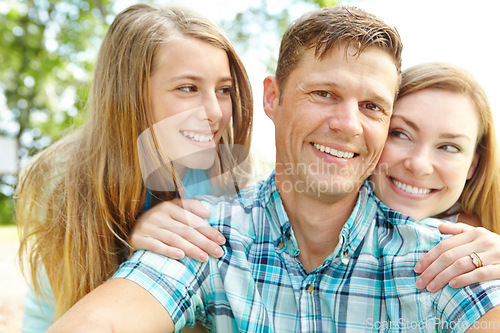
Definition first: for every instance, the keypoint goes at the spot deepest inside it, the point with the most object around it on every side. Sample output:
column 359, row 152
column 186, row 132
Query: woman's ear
column 271, row 96
column 473, row 166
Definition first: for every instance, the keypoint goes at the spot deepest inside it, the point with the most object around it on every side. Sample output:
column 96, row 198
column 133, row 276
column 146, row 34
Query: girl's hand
column 176, row 228
column 449, row 261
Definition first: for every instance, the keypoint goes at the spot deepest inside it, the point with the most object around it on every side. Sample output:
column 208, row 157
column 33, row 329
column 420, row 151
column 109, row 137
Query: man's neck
column 316, row 223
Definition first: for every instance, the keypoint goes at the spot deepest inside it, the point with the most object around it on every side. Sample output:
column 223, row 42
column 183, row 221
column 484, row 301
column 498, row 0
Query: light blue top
column 259, row 285
column 39, row 311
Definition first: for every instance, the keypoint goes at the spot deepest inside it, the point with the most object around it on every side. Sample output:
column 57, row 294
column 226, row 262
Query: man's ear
column 271, row 96
column 473, row 166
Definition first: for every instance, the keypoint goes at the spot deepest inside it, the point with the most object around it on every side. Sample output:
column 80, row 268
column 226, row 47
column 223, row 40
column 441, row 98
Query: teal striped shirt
column 366, row 285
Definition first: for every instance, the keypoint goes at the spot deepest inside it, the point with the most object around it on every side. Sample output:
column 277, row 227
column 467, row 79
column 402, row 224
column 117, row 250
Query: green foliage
column 268, row 25
column 48, row 49
column 6, row 210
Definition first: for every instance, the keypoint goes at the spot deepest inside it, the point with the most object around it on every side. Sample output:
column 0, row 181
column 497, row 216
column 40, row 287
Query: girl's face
column 429, row 153
column 191, row 89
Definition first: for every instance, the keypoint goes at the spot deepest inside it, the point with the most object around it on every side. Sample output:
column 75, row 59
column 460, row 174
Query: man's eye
column 373, row 107
column 323, row 93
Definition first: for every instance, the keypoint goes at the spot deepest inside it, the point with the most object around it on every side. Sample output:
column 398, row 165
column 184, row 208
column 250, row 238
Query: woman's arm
column 176, row 228
column 451, row 260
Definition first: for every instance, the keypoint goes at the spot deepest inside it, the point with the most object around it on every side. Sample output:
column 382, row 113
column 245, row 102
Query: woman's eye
column 188, row 88
column 322, row 93
column 450, row 148
column 398, row 135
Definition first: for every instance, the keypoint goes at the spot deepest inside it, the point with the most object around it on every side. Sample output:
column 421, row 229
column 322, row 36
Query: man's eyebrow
column 374, row 95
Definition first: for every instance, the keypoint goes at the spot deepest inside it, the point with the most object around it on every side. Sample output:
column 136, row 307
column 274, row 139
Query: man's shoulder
column 397, row 228
column 247, row 199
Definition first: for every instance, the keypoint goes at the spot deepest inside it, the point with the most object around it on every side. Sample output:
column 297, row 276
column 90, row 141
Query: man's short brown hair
column 326, row 27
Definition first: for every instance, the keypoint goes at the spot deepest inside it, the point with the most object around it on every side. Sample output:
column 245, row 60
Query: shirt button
column 345, row 253
column 280, row 245
column 309, row 288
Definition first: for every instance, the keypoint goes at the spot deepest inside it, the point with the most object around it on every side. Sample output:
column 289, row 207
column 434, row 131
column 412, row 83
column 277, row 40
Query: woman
column 78, row 200
column 441, row 160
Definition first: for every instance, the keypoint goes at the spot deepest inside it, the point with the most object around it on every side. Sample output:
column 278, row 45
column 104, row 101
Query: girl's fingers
column 172, row 245
column 193, row 242
column 192, row 214
column 194, row 206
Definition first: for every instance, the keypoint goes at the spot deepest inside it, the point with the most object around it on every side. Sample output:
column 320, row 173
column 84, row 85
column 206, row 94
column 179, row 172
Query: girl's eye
column 398, row 135
column 188, row 88
column 225, row 90
column 323, row 93
column 450, row 148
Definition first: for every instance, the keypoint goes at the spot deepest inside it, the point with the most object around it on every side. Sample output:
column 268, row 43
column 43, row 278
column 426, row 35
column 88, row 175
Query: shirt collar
column 351, row 236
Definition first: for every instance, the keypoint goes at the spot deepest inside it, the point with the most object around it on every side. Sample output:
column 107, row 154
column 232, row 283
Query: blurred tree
column 48, row 47
column 48, row 50
column 268, row 24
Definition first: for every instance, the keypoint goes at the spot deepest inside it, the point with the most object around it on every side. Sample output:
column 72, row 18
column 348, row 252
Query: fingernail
column 221, row 240
column 453, row 283
column 419, row 284
column 431, row 286
column 179, row 254
column 418, row 268
column 218, row 252
column 203, row 257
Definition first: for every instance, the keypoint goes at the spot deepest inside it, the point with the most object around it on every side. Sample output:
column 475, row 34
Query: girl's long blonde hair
column 481, row 194
column 78, row 199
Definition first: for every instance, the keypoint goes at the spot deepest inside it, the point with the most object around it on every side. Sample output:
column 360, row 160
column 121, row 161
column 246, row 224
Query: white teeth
column 334, row 152
column 409, row 188
column 198, row 137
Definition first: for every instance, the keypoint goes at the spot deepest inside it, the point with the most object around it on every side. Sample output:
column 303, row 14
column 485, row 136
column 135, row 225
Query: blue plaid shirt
column 366, row 285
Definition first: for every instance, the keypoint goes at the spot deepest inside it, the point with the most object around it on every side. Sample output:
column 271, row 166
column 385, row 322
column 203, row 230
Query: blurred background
column 49, row 48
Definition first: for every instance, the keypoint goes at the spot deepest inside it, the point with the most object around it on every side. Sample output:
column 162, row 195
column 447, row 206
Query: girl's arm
column 38, row 309
column 176, row 228
column 450, row 261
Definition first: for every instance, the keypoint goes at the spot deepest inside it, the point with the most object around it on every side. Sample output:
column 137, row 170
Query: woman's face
column 429, row 153
column 191, row 89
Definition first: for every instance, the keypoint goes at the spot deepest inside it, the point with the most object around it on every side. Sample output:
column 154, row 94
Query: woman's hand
column 449, row 261
column 176, row 228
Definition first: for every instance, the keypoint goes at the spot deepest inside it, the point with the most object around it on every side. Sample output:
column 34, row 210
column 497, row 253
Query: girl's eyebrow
column 194, row 77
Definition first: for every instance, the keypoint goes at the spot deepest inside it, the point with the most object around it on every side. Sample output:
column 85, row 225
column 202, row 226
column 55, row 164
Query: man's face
column 332, row 121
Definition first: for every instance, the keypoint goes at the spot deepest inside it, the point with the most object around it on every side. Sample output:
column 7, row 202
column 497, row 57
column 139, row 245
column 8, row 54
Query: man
column 310, row 249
